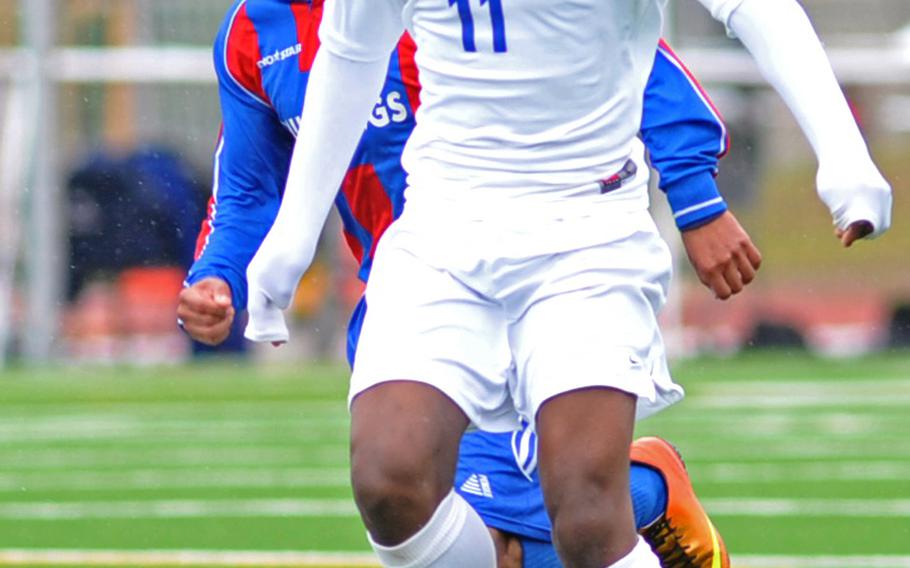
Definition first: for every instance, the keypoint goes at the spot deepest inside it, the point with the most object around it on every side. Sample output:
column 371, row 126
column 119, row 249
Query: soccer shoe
column 684, row 536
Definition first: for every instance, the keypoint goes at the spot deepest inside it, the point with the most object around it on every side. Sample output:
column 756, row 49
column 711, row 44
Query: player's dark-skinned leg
column 404, row 448
column 584, row 439
column 509, row 553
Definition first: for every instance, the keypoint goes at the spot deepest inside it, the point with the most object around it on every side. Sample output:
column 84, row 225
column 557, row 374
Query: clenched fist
column 206, row 310
column 723, row 255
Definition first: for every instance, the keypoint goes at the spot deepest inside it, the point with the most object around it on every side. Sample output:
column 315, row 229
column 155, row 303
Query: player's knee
column 384, row 501
column 587, row 510
column 581, row 526
column 394, row 490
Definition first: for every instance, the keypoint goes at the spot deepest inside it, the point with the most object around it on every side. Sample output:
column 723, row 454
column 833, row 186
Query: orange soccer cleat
column 684, row 536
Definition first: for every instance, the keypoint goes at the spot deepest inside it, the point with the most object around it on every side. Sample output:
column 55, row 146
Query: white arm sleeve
column 722, row 9
column 346, row 78
column 781, row 39
column 362, row 30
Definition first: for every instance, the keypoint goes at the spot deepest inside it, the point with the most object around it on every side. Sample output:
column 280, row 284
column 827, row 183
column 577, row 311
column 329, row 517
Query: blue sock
column 649, row 495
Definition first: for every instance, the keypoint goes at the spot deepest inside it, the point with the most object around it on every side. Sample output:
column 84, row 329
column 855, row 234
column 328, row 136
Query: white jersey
column 519, row 97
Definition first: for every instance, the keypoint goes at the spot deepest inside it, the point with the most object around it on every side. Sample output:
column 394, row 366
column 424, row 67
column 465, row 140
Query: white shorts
column 451, row 305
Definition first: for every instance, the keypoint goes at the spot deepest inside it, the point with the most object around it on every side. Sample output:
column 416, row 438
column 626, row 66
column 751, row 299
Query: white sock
column 455, row 537
column 641, row 557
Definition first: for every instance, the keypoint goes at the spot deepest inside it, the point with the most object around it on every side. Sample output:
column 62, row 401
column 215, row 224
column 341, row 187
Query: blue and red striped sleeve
column 250, row 166
column 372, row 194
column 686, row 137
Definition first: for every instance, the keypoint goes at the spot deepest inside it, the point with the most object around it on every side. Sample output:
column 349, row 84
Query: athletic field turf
column 802, row 463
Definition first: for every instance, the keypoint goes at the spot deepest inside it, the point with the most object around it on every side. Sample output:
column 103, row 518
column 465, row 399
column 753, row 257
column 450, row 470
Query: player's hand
column 206, row 311
column 273, row 276
column 856, row 231
column 859, row 199
column 723, row 255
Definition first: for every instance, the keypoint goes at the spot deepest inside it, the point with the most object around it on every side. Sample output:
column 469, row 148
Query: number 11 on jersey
column 467, row 24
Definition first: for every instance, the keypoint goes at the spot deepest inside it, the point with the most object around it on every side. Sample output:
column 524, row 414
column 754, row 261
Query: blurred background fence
column 102, row 98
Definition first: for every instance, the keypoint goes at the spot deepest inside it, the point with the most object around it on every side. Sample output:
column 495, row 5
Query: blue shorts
column 497, row 473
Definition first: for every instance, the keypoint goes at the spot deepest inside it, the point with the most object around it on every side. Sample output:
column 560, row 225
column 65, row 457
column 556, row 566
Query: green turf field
column 801, row 462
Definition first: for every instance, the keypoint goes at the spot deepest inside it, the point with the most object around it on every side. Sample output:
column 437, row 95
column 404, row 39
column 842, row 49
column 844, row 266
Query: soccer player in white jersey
column 516, row 282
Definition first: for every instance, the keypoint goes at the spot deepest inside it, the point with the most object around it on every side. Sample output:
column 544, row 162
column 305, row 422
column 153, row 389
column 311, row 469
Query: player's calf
column 584, row 473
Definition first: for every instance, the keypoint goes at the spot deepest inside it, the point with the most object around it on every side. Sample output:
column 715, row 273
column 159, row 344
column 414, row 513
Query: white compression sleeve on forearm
column 336, row 110
column 786, row 48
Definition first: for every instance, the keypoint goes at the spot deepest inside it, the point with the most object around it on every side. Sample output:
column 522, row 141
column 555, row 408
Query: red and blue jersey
column 263, row 55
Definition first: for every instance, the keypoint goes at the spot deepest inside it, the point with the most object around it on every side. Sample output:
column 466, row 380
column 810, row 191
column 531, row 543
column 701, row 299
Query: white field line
column 774, row 417
column 851, row 561
column 175, row 479
column 762, row 427
column 309, row 508
column 202, row 412
column 808, row 507
column 697, row 450
column 86, row 422
column 149, row 558
column 15, row 557
column 778, row 472
column 787, row 423
column 204, row 408
column 784, row 399
column 132, row 428
column 178, row 509
column 710, row 449
column 803, row 387
column 187, row 455
column 298, row 411
column 703, row 446
column 802, row 394
column 735, row 393
column 294, row 434
column 39, row 431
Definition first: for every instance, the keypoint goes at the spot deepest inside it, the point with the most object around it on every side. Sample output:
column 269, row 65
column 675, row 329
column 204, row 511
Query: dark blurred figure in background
column 137, row 211
column 133, row 222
